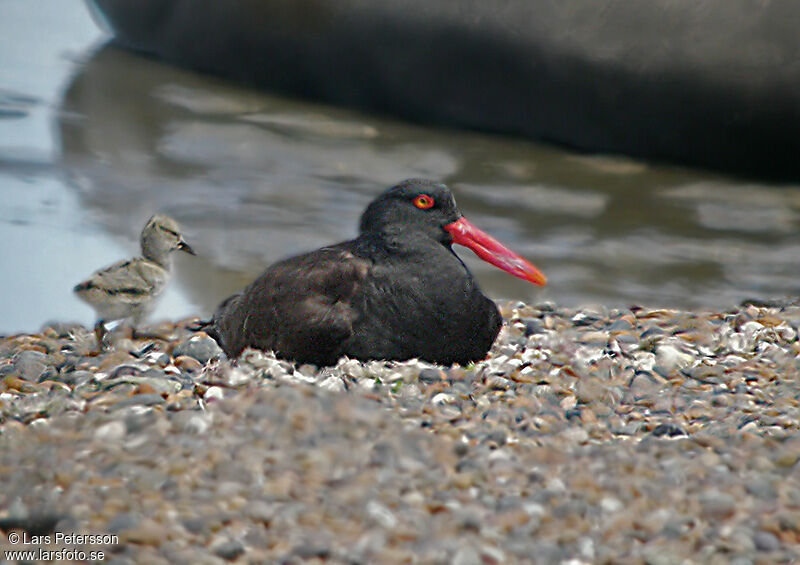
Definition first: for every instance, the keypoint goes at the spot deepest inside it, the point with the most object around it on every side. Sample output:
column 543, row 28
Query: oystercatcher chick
column 127, row 290
column 395, row 292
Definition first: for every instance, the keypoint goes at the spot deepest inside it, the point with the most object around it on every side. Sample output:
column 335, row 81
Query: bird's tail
column 216, row 324
column 201, row 325
column 85, row 285
column 207, row 326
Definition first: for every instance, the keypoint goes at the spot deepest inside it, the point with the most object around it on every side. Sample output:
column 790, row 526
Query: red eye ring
column 423, row 202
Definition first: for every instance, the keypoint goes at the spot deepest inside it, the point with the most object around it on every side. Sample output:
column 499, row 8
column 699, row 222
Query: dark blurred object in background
column 708, row 83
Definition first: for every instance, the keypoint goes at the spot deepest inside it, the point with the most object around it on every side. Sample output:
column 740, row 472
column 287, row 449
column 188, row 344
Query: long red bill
column 492, row 251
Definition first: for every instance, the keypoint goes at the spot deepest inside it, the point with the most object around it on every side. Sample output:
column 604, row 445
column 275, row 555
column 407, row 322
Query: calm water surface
column 94, row 140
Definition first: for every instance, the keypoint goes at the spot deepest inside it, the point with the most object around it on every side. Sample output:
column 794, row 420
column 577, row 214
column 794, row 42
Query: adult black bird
column 397, row 291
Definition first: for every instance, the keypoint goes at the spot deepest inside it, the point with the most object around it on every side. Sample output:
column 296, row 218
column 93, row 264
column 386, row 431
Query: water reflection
column 255, row 177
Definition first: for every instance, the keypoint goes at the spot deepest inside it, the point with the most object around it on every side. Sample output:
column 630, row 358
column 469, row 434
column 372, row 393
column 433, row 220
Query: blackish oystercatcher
column 397, row 291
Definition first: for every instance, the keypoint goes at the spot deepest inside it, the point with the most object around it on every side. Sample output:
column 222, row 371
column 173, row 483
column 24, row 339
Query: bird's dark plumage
column 397, row 291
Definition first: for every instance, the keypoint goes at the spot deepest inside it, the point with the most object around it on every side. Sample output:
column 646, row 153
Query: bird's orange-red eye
column 423, row 202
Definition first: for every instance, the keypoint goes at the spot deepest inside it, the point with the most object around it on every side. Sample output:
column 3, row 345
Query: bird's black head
column 416, row 213
column 411, row 210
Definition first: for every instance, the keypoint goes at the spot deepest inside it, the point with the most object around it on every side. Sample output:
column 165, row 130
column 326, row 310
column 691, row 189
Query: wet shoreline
column 593, row 434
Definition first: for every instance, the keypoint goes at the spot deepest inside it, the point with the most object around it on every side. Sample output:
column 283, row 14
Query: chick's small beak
column 492, row 251
column 183, row 246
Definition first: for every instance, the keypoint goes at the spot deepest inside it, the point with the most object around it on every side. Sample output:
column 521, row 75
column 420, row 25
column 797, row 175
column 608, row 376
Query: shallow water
column 93, row 140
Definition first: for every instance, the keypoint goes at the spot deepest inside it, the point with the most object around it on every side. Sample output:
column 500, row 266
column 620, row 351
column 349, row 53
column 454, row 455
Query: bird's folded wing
column 301, row 302
column 127, row 280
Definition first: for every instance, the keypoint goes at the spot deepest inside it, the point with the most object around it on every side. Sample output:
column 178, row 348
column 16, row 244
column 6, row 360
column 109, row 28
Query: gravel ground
column 587, row 436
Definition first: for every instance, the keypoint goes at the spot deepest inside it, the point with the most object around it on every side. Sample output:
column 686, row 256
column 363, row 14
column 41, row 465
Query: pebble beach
column 588, row 435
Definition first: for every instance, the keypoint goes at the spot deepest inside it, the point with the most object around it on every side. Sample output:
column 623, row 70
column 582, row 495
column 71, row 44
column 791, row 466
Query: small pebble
column 30, row 364
column 203, row 349
column 188, row 364
column 111, row 432
column 766, row 541
column 230, row 549
column 214, row 393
